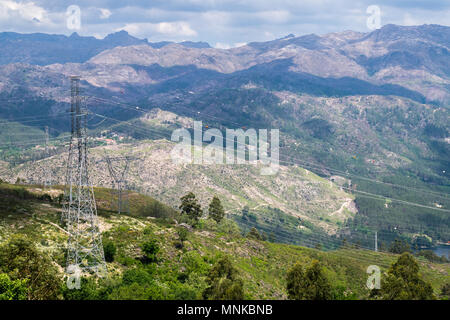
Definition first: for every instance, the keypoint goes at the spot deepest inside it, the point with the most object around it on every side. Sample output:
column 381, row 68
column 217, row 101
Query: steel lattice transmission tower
column 119, row 178
column 85, row 249
column 47, row 174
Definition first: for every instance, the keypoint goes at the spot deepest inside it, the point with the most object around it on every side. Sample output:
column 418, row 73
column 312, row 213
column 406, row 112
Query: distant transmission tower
column 120, row 181
column 85, row 250
column 47, row 178
column 376, row 240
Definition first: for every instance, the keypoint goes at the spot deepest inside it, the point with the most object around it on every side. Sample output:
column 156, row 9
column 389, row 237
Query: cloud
column 220, row 45
column 224, row 22
column 27, row 11
column 176, row 28
column 105, row 13
column 173, row 29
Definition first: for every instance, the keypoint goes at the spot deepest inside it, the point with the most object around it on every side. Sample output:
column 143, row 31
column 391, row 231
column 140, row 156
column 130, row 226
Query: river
column 442, row 251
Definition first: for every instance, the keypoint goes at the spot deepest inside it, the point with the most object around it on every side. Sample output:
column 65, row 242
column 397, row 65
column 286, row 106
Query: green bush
column 308, row 283
column 20, row 259
column 150, row 249
column 403, row 281
column 110, row 250
column 223, row 282
column 182, row 234
column 88, row 290
column 13, row 289
column 228, row 227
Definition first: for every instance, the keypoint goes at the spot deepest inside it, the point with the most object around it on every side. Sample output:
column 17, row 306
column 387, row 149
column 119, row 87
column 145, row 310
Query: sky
column 221, row 23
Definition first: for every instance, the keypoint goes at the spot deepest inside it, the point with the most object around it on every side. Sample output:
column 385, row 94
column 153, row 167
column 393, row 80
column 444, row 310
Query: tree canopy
column 308, row 283
column 403, row 281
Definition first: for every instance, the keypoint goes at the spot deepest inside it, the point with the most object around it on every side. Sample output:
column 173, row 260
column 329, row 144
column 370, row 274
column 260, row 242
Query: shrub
column 308, row 283
column 403, row 282
column 110, row 250
column 399, row 246
column 151, row 249
column 182, row 234
column 254, row 234
column 229, row 227
column 12, row 289
column 223, row 282
column 20, row 259
column 88, row 290
column 445, row 290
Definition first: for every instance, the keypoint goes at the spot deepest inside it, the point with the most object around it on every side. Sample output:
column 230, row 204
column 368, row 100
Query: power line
column 317, row 166
column 375, row 196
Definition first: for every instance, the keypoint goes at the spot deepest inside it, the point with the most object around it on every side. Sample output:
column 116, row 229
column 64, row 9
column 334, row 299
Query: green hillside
column 180, row 269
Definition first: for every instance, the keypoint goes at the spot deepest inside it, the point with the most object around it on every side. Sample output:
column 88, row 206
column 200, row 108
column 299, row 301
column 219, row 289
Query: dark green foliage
column 150, row 249
column 403, row 281
column 157, row 209
column 137, row 275
column 20, row 259
column 254, row 234
column 434, row 131
column 245, row 211
column 223, row 282
column 12, row 289
column 431, row 256
column 109, row 249
column 422, row 241
column 308, row 283
column 216, row 211
column 182, row 234
column 319, row 128
column 399, row 246
column 342, row 293
column 88, row 290
column 45, row 197
column 190, row 207
column 445, row 290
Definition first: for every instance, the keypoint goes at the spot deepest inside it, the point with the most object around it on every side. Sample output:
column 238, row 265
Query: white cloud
column 105, row 13
column 176, row 28
column 220, row 45
column 173, row 29
column 26, row 10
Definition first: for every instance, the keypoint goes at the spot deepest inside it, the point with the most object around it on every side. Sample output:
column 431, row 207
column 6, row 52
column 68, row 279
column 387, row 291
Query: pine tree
column 216, row 211
column 191, row 207
column 403, row 281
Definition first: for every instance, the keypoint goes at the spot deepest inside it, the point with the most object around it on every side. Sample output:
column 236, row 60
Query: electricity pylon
column 119, row 179
column 47, row 174
column 84, row 248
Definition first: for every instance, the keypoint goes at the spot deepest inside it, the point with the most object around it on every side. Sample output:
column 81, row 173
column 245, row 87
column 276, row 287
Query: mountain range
column 370, row 107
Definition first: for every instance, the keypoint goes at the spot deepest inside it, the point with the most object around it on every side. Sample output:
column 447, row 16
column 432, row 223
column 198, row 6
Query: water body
column 442, row 251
